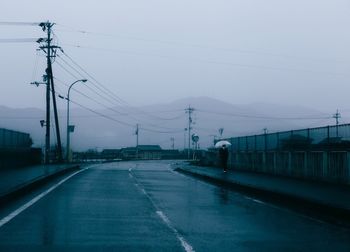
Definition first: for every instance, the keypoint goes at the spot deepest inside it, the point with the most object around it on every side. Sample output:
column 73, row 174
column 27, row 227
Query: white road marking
column 184, row 243
column 256, row 200
column 36, row 199
column 187, row 247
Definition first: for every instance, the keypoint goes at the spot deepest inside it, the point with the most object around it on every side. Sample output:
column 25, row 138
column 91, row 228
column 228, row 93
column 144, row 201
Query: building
column 111, row 154
column 145, row 152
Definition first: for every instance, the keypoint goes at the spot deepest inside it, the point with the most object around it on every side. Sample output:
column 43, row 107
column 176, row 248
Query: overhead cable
column 263, row 117
column 18, row 40
column 20, row 23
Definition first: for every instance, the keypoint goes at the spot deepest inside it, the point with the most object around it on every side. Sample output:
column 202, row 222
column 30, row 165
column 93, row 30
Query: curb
column 314, row 209
column 19, row 190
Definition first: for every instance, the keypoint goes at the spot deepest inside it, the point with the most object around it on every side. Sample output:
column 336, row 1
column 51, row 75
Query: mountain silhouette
column 158, row 123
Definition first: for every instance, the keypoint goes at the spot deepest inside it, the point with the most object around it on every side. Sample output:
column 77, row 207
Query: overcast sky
column 239, row 51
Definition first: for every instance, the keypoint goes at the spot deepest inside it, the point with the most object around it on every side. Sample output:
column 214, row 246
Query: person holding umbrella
column 223, row 153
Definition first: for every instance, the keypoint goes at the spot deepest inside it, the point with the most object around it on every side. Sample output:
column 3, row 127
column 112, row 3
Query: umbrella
column 222, row 143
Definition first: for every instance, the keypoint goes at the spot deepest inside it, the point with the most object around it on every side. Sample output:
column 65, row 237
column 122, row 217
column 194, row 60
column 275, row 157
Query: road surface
column 145, row 206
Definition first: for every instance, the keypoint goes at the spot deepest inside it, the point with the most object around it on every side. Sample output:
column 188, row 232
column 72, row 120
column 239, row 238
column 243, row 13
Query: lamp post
column 68, row 126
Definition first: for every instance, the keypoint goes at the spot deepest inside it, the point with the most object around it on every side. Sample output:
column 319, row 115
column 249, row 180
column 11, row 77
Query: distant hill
column 160, row 122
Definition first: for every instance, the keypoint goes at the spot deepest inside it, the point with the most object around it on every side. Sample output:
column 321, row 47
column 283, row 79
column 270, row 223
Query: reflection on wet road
column 145, row 206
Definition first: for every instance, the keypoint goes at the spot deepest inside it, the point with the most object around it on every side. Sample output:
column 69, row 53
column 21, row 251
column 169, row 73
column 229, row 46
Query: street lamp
column 70, row 129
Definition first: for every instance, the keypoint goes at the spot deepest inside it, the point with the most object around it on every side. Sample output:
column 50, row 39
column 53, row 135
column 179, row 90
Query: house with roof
column 144, row 152
column 110, row 154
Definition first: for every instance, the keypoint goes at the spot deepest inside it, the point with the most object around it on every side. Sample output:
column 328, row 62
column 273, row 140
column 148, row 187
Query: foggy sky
column 283, row 52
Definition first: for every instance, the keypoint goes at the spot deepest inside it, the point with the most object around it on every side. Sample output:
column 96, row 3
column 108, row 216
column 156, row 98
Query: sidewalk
column 16, row 179
column 329, row 198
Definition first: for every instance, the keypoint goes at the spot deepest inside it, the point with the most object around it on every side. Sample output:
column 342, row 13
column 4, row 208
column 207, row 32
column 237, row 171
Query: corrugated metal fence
column 16, row 151
column 14, row 139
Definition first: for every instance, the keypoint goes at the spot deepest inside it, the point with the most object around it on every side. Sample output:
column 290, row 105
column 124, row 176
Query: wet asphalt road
column 145, row 206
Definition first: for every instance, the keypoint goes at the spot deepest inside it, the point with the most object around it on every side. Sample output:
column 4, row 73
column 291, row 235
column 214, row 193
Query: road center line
column 163, row 217
column 12, row 215
column 184, row 243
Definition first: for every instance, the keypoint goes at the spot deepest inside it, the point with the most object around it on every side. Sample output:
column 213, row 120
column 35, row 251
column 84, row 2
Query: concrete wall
column 19, row 157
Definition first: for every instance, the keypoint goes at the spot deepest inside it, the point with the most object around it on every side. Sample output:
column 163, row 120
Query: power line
column 271, row 68
column 20, row 117
column 20, row 23
column 106, row 90
column 103, row 105
column 121, row 113
column 177, row 43
column 262, row 117
column 92, row 99
column 35, row 69
column 82, row 75
column 18, row 40
column 119, row 121
column 118, row 100
column 102, row 115
column 153, row 125
column 162, row 131
column 103, row 97
column 109, row 92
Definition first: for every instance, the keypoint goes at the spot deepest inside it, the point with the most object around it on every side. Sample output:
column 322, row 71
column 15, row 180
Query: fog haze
column 148, row 52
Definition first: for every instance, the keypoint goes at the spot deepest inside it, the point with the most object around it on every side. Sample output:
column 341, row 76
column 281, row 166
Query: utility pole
column 189, row 111
column 214, row 139
column 137, row 140
column 48, row 123
column 265, row 131
column 58, row 134
column 172, row 139
column 50, row 52
column 337, row 116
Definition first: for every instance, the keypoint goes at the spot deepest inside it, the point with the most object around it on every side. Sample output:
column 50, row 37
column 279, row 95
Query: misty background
column 243, row 65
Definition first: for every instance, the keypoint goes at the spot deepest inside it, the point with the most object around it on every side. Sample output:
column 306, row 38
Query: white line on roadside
column 12, row 215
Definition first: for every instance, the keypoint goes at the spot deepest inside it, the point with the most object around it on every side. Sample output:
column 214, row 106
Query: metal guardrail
column 321, row 153
column 337, row 136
